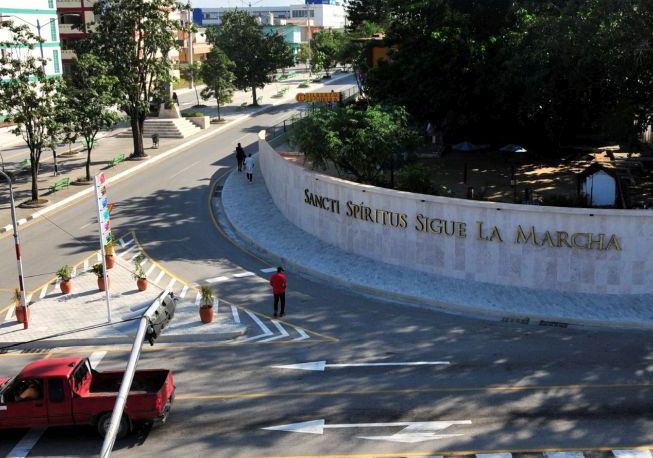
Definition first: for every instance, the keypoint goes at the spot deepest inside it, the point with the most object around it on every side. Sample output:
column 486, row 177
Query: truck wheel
column 104, row 422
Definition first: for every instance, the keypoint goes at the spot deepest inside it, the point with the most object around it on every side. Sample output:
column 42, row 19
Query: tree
column 303, row 54
column 354, row 50
column 30, row 99
column 256, row 56
column 217, row 73
column 363, row 142
column 326, row 48
column 91, row 99
column 375, row 11
column 134, row 39
column 192, row 72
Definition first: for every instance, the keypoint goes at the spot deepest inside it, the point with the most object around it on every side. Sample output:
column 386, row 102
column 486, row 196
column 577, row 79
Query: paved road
column 522, row 388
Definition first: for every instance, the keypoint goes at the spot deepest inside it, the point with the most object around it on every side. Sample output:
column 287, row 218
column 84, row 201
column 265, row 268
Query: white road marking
column 73, row 272
column 283, row 332
column 216, row 279
column 21, row 221
column 234, row 313
column 564, row 455
column 631, row 453
column 24, row 447
column 269, row 270
column 302, row 333
column 135, row 256
column 127, row 243
column 198, row 298
column 171, row 284
column 96, row 357
column 85, row 265
column 98, row 256
column 184, row 169
column 122, row 242
column 126, row 251
column 85, row 225
column 44, row 291
column 321, row 365
column 159, row 277
column 494, row 455
column 147, row 274
column 244, row 274
column 266, row 331
column 184, row 290
column 10, row 314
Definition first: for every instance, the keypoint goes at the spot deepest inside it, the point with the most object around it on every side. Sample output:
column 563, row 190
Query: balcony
column 67, row 54
column 75, row 3
column 68, row 28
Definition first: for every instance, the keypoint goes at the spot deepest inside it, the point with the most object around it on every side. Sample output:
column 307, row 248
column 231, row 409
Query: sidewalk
column 72, row 165
column 80, row 318
column 244, row 205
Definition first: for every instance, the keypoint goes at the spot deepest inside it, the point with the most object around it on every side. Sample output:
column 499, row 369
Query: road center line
column 184, row 169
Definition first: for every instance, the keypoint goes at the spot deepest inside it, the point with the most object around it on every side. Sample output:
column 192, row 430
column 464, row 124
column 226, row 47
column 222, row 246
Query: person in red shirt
column 278, row 282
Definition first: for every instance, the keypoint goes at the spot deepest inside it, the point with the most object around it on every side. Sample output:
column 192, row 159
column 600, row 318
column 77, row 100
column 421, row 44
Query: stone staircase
column 166, row 128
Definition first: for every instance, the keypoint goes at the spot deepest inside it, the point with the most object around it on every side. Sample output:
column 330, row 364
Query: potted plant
column 109, row 251
column 206, row 304
column 22, row 312
column 139, row 274
column 98, row 270
column 64, row 274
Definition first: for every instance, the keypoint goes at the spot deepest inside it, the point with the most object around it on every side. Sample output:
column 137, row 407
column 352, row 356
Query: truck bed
column 147, row 381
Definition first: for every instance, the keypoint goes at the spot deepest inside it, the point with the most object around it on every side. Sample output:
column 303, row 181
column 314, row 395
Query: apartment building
column 74, row 17
column 41, row 17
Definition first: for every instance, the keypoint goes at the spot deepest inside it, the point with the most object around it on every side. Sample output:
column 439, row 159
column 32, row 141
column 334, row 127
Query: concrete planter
column 203, row 122
column 169, row 113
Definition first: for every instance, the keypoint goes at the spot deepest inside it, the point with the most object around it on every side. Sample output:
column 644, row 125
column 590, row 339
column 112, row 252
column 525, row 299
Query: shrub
column 414, row 178
column 193, row 114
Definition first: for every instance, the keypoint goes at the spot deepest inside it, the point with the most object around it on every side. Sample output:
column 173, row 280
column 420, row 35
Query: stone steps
column 166, row 128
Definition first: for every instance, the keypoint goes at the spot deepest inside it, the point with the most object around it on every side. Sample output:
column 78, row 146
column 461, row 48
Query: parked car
column 67, row 391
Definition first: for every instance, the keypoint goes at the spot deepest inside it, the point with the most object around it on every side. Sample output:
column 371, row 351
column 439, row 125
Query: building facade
column 41, row 17
column 325, row 14
column 74, row 17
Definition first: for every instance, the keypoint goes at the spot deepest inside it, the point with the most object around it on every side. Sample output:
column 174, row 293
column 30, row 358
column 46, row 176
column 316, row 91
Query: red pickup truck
column 67, row 391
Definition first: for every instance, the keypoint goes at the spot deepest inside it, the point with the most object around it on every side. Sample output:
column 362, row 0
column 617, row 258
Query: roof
column 53, row 367
column 595, row 167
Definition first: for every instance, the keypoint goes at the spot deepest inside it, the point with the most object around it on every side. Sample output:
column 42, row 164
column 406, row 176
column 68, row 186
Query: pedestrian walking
column 278, row 283
column 240, row 157
column 249, row 167
column 175, row 98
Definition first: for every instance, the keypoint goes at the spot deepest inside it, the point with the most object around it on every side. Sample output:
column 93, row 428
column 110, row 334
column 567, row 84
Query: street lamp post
column 38, row 30
column 19, row 262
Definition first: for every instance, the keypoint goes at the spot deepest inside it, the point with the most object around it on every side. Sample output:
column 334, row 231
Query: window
column 50, row 3
column 55, row 60
column 53, row 30
column 55, row 390
column 29, row 390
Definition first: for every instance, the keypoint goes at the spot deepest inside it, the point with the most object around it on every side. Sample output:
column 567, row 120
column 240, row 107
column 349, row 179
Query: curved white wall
column 575, row 250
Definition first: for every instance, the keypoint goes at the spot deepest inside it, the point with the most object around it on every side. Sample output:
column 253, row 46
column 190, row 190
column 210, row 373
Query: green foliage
column 98, row 270
column 373, row 11
column 134, row 38
column 304, row 53
column 193, row 114
column 217, row 73
column 326, row 48
column 256, row 56
column 414, row 178
column 65, row 273
column 28, row 97
column 192, row 72
column 139, row 273
column 91, row 95
column 206, row 296
column 359, row 142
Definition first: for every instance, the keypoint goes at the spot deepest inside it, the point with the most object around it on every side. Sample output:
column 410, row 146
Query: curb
column 147, row 162
column 248, row 244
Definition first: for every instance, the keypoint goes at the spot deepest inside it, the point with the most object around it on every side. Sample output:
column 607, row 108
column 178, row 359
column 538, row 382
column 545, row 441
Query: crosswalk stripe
column 260, row 324
column 234, row 313
column 269, row 270
column 244, row 274
column 184, row 290
column 149, row 271
column 135, row 256
column 198, row 298
column 85, row 265
column 159, row 277
column 631, row 453
column 10, row 313
column 281, row 329
column 128, row 250
column 216, row 279
column 121, row 241
column 564, row 455
column 73, row 272
column 302, row 333
column 98, row 256
column 96, row 357
column 171, row 284
column 44, row 291
column 24, row 447
column 128, row 242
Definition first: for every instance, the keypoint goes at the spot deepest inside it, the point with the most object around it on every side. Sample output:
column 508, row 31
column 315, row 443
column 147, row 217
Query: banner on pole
column 103, row 206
